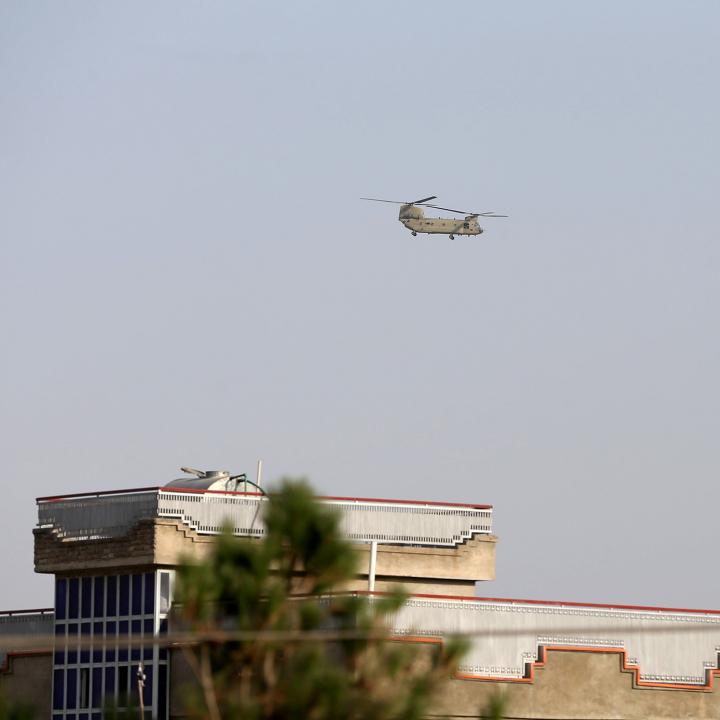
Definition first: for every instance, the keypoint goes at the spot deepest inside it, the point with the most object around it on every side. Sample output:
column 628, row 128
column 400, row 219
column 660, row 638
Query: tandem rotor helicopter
column 413, row 218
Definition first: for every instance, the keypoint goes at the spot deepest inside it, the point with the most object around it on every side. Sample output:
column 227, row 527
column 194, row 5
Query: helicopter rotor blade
column 420, row 202
column 394, row 202
column 465, row 212
column 437, row 207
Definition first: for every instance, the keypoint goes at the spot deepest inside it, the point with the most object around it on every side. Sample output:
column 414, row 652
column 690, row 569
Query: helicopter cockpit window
column 466, row 225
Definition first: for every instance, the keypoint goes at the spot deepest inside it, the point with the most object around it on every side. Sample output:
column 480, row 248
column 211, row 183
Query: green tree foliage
column 261, row 608
column 14, row 711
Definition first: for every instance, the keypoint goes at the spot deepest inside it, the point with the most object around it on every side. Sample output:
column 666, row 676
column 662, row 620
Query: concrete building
column 113, row 556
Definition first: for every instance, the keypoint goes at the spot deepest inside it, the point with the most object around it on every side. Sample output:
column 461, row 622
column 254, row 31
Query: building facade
column 113, row 555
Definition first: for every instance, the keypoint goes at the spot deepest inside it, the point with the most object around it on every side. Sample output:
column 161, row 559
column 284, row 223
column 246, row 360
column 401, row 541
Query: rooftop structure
column 113, row 556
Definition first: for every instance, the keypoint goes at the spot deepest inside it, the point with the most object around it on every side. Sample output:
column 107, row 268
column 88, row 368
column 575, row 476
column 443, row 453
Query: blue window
column 58, row 689
column 149, row 593
column 97, row 687
column 147, row 690
column 97, row 642
column 99, row 597
column 122, row 635
column 110, row 632
column 71, row 689
column 60, row 598
column 86, row 592
column 137, row 594
column 162, row 692
column 72, row 642
column 85, row 652
column 60, row 644
column 163, row 631
column 124, row 595
column 74, row 600
column 136, row 631
column 109, row 683
column 123, row 676
column 147, row 634
column 111, row 596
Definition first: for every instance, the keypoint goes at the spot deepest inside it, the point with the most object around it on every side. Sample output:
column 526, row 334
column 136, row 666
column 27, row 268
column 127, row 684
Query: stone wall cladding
column 136, row 548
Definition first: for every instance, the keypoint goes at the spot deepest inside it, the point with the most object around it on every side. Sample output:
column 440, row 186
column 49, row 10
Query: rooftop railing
column 113, row 514
column 21, row 623
column 664, row 646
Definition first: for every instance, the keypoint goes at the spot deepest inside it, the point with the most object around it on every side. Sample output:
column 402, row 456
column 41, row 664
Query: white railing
column 667, row 647
column 20, row 623
column 107, row 515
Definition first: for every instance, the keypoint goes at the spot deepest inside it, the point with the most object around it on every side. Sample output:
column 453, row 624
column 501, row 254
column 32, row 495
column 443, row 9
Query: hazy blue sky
column 187, row 275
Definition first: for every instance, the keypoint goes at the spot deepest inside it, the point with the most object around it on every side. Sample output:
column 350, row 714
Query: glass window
column 99, row 597
column 60, row 644
column 111, row 596
column 109, row 683
column 84, row 687
column 149, row 608
column 147, row 690
column 97, row 642
column 86, row 592
column 85, row 638
column 123, row 684
column 72, row 641
column 164, row 592
column 162, row 692
column 58, row 689
column 136, row 631
column 74, row 599
column 110, row 631
column 60, row 598
column 71, row 703
column 97, row 674
column 137, row 594
column 122, row 635
column 124, row 595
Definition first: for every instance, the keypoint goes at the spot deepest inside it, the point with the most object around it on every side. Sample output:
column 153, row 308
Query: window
column 74, row 597
column 60, row 598
column 122, row 684
column 149, row 607
column 137, row 594
column 111, row 596
column 124, row 608
column 164, row 592
column 84, row 688
column 86, row 592
column 99, row 597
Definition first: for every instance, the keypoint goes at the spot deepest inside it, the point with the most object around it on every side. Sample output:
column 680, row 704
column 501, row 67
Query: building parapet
column 21, row 623
column 664, row 647
column 113, row 514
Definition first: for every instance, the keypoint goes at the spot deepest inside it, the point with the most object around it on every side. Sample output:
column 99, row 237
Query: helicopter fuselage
column 413, row 218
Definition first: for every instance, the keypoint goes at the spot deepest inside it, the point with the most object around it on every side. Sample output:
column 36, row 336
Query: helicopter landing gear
column 414, row 234
column 452, row 237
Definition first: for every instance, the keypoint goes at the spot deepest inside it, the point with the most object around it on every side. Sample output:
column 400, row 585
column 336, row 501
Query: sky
column 188, row 275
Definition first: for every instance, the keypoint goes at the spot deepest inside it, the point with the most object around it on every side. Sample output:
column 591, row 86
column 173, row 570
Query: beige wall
column 158, row 542
column 27, row 679
column 578, row 685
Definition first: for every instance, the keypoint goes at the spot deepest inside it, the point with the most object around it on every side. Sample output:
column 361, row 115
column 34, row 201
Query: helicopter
column 413, row 218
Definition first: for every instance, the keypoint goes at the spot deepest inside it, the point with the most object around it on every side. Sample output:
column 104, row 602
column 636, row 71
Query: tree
column 276, row 640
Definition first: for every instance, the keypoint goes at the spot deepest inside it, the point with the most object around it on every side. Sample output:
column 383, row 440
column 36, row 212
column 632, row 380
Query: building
column 113, row 556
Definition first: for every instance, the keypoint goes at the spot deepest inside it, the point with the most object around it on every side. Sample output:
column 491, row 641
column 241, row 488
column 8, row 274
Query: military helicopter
column 413, row 218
